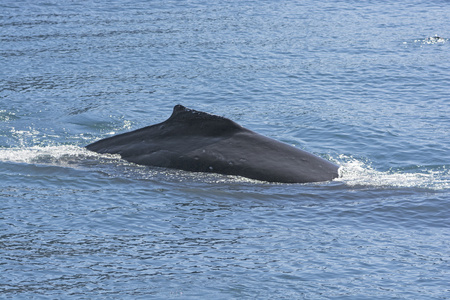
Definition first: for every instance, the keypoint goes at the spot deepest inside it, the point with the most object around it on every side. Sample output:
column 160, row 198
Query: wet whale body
column 196, row 141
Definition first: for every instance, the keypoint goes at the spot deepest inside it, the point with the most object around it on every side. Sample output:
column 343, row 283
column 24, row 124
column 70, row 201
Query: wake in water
column 354, row 172
column 110, row 164
column 62, row 156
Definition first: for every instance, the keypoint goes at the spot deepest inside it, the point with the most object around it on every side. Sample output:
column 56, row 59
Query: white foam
column 353, row 172
column 432, row 40
column 65, row 155
column 357, row 173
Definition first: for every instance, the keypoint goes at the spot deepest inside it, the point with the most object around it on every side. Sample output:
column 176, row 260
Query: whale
column 197, row 141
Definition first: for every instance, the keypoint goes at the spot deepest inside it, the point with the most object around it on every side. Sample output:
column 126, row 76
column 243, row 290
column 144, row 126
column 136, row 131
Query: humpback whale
column 196, row 141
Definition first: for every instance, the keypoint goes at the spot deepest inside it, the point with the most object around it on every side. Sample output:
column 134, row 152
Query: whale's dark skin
column 196, row 141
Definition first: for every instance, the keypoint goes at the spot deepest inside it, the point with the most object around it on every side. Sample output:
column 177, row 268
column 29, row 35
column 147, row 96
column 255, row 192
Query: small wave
column 355, row 172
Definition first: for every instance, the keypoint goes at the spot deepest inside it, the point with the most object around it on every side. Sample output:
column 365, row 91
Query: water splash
column 112, row 165
column 431, row 40
column 64, row 156
column 355, row 172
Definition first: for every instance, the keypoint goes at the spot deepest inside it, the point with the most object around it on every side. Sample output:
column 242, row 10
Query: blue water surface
column 364, row 84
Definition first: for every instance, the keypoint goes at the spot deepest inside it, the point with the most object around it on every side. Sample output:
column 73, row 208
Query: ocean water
column 364, row 84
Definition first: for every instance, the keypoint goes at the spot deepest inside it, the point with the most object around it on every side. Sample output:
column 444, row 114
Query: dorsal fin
column 199, row 122
column 183, row 114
